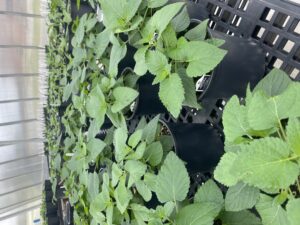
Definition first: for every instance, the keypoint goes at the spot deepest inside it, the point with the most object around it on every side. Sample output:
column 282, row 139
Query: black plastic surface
column 273, row 24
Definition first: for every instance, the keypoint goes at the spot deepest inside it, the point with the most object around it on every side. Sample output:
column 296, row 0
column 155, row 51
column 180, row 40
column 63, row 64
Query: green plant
column 261, row 163
column 164, row 45
column 43, row 209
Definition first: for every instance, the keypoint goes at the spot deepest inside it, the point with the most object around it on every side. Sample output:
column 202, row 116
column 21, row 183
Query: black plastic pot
column 51, row 209
column 53, row 220
column 244, row 63
column 83, row 9
column 195, row 10
column 199, row 145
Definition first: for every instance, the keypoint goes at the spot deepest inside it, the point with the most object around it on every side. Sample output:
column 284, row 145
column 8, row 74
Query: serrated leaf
column 143, row 190
column 210, row 193
column 169, row 37
column 197, row 214
column 154, row 153
column 94, row 148
column 240, row 197
column 275, row 83
column 239, row 218
column 117, row 53
column 136, row 170
column 157, row 64
column 96, row 105
column 116, row 173
column 223, row 173
column 140, row 61
column 293, row 135
column 118, row 14
column 197, row 33
column 135, row 138
column 160, row 20
column 120, row 138
column 235, row 120
column 150, row 181
column 270, row 212
column 201, row 56
column 172, row 183
column 141, row 213
column 293, row 209
column 101, row 43
column 181, row 21
column 265, row 163
column 171, row 93
column 215, row 41
column 122, row 195
column 124, row 96
column 190, row 98
column 156, row 3
column 93, row 185
column 149, row 131
column 273, row 109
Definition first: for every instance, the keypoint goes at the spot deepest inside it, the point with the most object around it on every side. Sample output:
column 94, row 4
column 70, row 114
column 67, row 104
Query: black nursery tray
column 273, row 24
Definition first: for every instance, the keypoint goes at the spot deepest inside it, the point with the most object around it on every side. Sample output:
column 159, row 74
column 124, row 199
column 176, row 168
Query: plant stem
column 282, row 130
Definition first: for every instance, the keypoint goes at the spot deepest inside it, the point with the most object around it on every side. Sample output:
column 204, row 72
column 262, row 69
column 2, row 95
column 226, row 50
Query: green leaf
column 235, row 120
column 239, row 218
column 136, row 170
column 270, row 212
column 157, row 64
column 293, row 135
column 140, row 61
column 171, row 93
column 156, row 3
column 275, row 83
column 197, row 214
column 209, row 192
column 293, row 209
column 118, row 13
column 143, row 190
column 190, row 98
column 135, row 138
column 150, row 181
column 120, row 138
column 98, row 205
column 181, row 21
column 140, row 212
column 95, row 147
column 140, row 150
column 96, row 105
column 149, row 131
column 172, row 183
column 265, row 163
column 93, row 185
column 169, row 37
column 201, row 56
column 116, row 173
column 101, row 43
column 223, row 171
column 160, row 20
column 154, row 153
column 215, row 41
column 122, row 195
column 197, row 33
column 118, row 52
column 124, row 96
column 240, row 197
column 274, row 109
column 79, row 34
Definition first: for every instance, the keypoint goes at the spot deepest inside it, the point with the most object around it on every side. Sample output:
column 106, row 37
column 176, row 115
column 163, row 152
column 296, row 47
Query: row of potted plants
column 123, row 57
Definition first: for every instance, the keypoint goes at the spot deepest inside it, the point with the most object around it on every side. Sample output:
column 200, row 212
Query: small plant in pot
column 261, row 163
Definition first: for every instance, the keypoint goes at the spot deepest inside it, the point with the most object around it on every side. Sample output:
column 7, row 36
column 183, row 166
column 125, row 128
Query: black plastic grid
column 273, row 24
